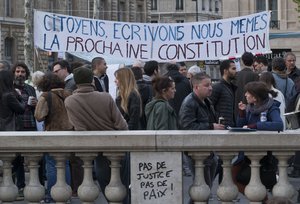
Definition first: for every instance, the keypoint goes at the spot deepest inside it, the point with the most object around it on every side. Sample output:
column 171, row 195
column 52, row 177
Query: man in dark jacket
column 99, row 68
column 243, row 77
column 26, row 121
column 291, row 69
column 223, row 93
column 182, row 85
column 197, row 113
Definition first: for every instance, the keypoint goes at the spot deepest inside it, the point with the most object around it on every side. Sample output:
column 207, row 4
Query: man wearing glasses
column 63, row 70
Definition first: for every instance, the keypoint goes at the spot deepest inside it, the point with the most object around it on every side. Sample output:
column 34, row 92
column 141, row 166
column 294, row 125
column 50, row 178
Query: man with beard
column 223, row 93
column 25, row 122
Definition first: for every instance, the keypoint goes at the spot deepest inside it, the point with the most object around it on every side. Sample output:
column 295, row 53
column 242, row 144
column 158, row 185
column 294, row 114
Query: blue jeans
column 51, row 173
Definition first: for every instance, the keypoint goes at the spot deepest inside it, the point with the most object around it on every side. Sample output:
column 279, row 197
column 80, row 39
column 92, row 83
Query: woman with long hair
column 128, row 99
column 160, row 115
column 11, row 102
column 130, row 105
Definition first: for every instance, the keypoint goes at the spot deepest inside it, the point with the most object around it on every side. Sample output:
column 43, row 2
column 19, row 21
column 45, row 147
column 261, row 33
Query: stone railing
column 114, row 144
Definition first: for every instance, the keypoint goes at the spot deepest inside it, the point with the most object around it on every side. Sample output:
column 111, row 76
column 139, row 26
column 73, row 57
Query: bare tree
column 28, row 34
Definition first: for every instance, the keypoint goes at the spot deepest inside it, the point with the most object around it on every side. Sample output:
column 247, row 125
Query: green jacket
column 160, row 115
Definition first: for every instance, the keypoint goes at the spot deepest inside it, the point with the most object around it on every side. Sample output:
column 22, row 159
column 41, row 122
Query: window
column 216, row 6
column 179, row 4
column 8, row 9
column 203, row 5
column 153, row 4
column 273, row 6
column 154, row 21
column 260, row 5
column 210, row 5
column 179, row 21
column 8, row 49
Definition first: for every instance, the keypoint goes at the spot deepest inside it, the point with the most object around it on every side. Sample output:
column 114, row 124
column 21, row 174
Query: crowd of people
column 67, row 97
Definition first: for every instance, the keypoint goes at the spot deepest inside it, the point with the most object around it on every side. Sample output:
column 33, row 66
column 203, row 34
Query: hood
column 281, row 74
column 176, row 76
column 149, row 107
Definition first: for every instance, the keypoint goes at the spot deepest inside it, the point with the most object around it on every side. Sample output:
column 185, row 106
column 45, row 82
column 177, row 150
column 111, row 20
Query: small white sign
column 156, row 177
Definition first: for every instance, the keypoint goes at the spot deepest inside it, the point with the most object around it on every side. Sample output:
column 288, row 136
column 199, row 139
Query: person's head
column 279, row 200
column 61, row 68
column 4, row 65
column 99, row 66
column 151, row 68
column 36, row 77
column 192, row 71
column 260, row 64
column 278, row 64
column 202, row 86
column 268, row 78
column 228, row 69
column 138, row 73
column 290, row 61
column 75, row 65
column 247, row 59
column 182, row 68
column 256, row 92
column 171, row 66
column 164, row 87
column 126, row 83
column 6, row 81
column 83, row 76
column 50, row 81
column 21, row 73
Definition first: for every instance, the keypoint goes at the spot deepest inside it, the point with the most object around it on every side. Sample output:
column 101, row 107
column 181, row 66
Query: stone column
column 115, row 191
column 132, row 9
column 8, row 190
column 114, row 10
column 255, row 191
column 61, row 192
column 88, row 190
column 227, row 190
column 283, row 187
column 34, row 192
column 199, row 191
column 148, row 11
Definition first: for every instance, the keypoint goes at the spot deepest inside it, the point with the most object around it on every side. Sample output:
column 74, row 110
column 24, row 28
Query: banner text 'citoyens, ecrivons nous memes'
column 206, row 40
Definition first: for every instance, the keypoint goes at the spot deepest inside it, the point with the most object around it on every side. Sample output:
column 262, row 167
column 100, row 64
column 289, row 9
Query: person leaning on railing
column 261, row 113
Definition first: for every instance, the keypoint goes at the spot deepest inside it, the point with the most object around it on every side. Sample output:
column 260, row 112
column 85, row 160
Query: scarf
column 257, row 109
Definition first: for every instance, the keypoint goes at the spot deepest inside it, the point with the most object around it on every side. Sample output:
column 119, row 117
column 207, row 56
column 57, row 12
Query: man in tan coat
column 85, row 114
column 83, row 106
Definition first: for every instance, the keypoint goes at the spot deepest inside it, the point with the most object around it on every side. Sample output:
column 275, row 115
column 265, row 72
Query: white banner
column 210, row 40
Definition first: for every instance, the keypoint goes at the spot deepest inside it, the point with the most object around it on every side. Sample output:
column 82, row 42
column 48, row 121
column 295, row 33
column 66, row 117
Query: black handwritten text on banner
column 208, row 40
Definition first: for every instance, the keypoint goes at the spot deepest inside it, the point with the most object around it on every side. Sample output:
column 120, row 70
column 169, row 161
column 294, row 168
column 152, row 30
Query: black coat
column 134, row 111
column 11, row 103
column 222, row 98
column 196, row 115
column 183, row 88
column 98, row 85
column 243, row 77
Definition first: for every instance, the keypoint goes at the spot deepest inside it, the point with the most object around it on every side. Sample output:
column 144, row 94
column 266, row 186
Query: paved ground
column 187, row 182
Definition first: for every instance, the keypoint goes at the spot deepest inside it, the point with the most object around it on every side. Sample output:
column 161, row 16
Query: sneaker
column 295, row 173
column 20, row 194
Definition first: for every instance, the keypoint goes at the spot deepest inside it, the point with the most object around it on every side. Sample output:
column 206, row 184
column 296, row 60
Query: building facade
column 179, row 11
column 12, row 21
column 284, row 25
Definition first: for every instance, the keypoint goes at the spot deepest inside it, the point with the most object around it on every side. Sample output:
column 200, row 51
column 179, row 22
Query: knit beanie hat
column 83, row 75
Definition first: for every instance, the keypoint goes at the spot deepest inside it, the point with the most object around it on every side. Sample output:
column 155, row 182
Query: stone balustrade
column 114, row 144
